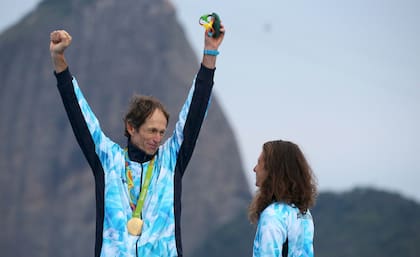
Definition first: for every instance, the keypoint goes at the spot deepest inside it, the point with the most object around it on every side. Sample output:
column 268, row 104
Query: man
column 138, row 187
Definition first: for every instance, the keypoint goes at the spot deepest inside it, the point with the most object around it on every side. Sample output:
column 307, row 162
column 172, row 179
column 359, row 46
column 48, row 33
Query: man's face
column 260, row 172
column 149, row 136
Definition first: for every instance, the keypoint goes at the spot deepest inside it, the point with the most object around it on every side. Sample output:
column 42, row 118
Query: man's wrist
column 212, row 52
column 59, row 61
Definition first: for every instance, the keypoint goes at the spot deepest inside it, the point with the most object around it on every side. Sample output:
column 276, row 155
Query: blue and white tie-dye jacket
column 284, row 231
column 162, row 208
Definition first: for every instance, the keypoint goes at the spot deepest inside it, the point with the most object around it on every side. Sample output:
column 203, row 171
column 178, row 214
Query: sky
column 339, row 78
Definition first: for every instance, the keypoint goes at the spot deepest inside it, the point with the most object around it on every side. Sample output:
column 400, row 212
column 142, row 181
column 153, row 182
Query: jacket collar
column 136, row 154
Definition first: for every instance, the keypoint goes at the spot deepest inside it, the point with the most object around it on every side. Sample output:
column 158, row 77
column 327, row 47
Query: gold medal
column 134, row 226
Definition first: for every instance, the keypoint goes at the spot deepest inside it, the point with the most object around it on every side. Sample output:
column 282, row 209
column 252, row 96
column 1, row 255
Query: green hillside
column 366, row 222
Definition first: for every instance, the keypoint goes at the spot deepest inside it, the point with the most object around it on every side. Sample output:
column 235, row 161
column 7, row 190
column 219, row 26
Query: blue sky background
column 339, row 78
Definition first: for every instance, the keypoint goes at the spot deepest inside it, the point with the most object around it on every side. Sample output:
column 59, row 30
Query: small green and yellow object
column 211, row 22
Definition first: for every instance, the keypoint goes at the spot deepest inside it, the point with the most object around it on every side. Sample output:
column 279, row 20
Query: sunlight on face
column 149, row 136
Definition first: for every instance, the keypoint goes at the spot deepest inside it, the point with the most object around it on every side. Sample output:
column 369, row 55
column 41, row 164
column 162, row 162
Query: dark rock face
column 119, row 48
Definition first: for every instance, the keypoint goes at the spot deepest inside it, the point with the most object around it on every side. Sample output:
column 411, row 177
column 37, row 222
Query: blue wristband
column 211, row 52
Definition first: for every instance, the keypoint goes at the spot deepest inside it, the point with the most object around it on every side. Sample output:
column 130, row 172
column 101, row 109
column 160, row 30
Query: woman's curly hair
column 289, row 179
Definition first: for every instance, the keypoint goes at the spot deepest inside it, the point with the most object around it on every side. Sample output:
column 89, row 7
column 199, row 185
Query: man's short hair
column 140, row 108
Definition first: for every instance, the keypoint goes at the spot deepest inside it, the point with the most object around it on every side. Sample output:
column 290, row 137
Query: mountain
column 119, row 48
column 364, row 222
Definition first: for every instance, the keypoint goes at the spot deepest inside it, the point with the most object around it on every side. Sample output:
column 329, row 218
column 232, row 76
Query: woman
column 287, row 190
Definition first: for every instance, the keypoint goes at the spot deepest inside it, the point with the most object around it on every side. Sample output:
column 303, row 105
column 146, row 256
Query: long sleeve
column 66, row 87
column 192, row 116
column 271, row 234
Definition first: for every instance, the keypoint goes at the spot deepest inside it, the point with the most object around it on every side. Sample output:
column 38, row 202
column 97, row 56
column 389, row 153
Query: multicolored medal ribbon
column 135, row 224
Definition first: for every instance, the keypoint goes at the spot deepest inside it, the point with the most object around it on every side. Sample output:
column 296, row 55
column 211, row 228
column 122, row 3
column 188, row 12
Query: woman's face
column 260, row 172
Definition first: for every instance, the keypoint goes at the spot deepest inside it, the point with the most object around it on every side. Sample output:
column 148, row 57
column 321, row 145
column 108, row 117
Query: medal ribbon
column 144, row 188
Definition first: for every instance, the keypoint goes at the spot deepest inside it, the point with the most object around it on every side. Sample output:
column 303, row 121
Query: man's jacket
column 161, row 235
